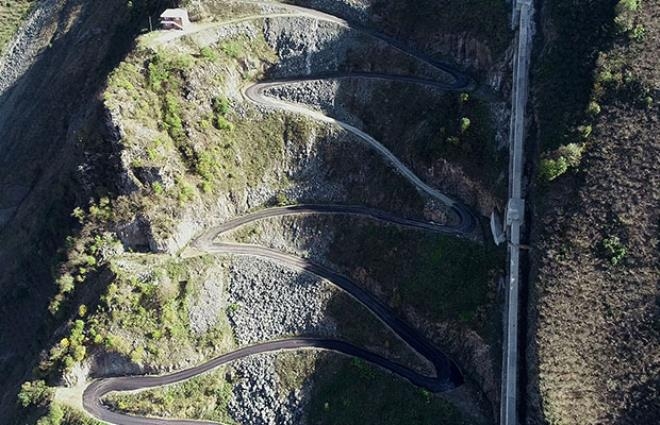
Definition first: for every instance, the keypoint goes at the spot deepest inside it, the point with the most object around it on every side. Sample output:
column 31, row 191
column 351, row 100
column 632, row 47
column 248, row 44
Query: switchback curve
column 448, row 375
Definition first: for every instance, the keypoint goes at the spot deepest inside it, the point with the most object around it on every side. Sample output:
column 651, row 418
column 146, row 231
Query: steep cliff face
column 48, row 97
column 472, row 33
column 166, row 146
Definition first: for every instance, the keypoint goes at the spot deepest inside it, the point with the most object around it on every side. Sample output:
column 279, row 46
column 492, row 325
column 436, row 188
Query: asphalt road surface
column 447, row 375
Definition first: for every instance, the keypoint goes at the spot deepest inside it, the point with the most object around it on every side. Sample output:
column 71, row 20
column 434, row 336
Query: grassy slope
column 443, row 278
column 349, row 391
column 432, row 130
column 202, row 398
column 597, row 324
column 144, row 315
column 12, row 13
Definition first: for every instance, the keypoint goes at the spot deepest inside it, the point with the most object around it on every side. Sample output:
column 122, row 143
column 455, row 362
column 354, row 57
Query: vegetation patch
column 206, row 146
column 55, row 413
column 202, row 398
column 351, row 391
column 442, row 277
column 596, row 326
column 426, row 126
column 12, row 14
column 144, row 316
column 614, row 249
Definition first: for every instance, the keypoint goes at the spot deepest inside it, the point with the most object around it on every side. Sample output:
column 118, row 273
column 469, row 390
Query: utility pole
column 151, row 28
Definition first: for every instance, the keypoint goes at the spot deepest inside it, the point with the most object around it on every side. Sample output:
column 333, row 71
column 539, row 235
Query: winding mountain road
column 447, row 374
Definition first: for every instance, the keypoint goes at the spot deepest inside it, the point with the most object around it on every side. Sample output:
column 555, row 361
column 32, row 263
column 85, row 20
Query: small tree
column 465, row 124
column 55, row 416
column 593, row 108
column 614, row 249
column 35, row 393
column 572, row 152
column 550, row 169
column 65, row 283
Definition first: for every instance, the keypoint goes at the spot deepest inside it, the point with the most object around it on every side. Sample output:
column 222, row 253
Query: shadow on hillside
column 334, row 56
column 39, row 158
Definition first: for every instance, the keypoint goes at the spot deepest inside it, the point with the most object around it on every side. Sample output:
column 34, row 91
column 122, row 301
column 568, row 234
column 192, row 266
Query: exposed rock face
column 311, row 238
column 210, row 302
column 311, row 46
column 110, row 364
column 268, row 300
column 26, row 45
column 257, row 396
column 55, row 68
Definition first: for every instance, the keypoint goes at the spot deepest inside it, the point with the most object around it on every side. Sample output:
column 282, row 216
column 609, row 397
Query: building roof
column 174, row 13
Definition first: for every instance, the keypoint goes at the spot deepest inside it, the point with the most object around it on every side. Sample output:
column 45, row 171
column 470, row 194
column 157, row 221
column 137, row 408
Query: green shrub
column 221, row 105
column 625, row 11
column 550, row 169
column 35, row 393
column 79, row 214
column 624, row 6
column 572, row 152
column 233, row 49
column 101, row 211
column 614, row 249
column 585, row 131
column 593, row 108
column 157, row 73
column 55, row 416
column 208, row 54
column 648, row 101
column 638, row 33
column 65, row 283
column 562, row 159
column 172, row 118
column 221, row 123
column 185, row 192
column 70, row 349
column 465, row 124
column 281, row 199
column 157, row 187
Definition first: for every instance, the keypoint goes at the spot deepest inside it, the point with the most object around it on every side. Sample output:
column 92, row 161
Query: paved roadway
column 100, row 388
column 515, row 211
column 447, row 374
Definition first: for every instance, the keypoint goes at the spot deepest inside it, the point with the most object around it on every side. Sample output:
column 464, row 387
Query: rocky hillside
column 48, row 95
column 173, row 146
column 13, row 14
column 595, row 336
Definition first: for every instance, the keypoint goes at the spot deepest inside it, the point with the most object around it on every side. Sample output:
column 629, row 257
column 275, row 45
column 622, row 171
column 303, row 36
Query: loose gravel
column 258, row 396
column 267, row 301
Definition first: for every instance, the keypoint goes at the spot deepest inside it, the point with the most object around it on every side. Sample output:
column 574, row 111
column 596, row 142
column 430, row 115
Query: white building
column 175, row 19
